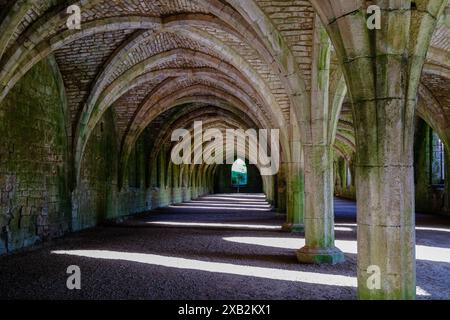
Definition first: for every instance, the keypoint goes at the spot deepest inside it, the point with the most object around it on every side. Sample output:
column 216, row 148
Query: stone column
column 319, row 213
column 291, row 167
column 186, row 184
column 342, row 167
column 269, row 189
column 318, row 161
column 194, row 186
column 281, row 191
column 287, row 226
column 383, row 67
column 422, row 166
column 296, row 193
column 447, row 180
column 295, row 199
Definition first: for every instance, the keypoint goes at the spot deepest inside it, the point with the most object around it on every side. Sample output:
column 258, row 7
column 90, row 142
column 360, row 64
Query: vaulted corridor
column 195, row 149
column 186, row 252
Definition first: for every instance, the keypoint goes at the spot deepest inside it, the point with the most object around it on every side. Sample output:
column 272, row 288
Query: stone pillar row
column 382, row 69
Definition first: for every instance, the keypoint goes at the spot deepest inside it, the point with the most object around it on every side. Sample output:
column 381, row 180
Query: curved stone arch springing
column 116, row 59
column 57, row 18
column 375, row 62
column 242, row 96
column 99, row 26
column 430, row 110
column 220, row 156
column 42, row 27
column 186, row 101
column 16, row 67
column 283, row 57
column 237, row 113
column 428, row 107
column 92, row 4
column 11, row 21
column 347, row 141
column 171, row 102
column 438, row 62
column 219, row 123
column 234, row 60
column 95, row 29
column 189, row 115
column 338, row 92
column 58, row 21
column 214, row 122
column 437, row 70
column 114, row 91
column 223, row 100
column 243, row 66
column 151, row 104
column 271, row 103
column 156, row 22
column 142, row 73
column 49, row 24
column 175, row 22
column 340, row 151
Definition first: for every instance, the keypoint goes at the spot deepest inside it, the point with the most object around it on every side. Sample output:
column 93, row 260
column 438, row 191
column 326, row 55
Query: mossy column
column 295, row 201
column 422, row 166
column 319, row 213
column 281, row 190
column 382, row 68
column 294, row 176
column 447, row 180
column 290, row 212
column 318, row 162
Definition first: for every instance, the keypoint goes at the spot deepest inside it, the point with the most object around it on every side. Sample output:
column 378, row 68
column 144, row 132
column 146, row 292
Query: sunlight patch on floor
column 215, row 225
column 222, row 208
column 427, row 253
column 217, row 267
column 224, row 268
column 226, row 205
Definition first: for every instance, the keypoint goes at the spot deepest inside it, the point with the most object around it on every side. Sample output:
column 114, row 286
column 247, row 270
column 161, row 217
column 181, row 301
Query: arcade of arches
column 86, row 118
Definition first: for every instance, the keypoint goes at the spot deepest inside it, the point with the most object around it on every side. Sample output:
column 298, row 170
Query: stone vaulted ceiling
column 141, row 57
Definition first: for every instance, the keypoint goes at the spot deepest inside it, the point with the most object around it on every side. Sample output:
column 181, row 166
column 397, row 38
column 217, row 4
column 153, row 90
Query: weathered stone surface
column 383, row 77
column 34, row 170
column 86, row 136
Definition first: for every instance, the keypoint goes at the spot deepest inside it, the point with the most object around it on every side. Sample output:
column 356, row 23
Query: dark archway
column 223, row 181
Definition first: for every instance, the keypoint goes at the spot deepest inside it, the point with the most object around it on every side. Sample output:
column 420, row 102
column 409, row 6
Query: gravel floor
column 231, row 254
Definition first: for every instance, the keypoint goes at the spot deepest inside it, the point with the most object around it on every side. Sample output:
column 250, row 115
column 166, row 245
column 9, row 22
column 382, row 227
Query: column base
column 320, row 255
column 287, row 227
column 298, row 228
column 294, row 228
column 366, row 294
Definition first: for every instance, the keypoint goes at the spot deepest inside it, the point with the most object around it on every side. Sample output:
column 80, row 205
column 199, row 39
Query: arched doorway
column 239, row 177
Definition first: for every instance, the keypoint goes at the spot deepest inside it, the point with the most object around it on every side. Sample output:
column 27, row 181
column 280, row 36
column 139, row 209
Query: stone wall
column 93, row 199
column 429, row 198
column 34, row 171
